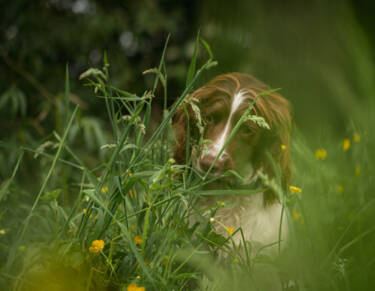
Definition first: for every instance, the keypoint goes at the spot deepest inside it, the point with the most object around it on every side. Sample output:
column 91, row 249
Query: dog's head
column 222, row 102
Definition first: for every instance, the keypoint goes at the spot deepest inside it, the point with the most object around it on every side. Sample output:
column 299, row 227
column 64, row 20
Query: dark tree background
column 308, row 49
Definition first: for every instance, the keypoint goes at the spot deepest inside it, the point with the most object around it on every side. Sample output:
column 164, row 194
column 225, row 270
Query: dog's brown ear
column 179, row 124
column 276, row 110
column 280, row 151
column 278, row 148
column 182, row 121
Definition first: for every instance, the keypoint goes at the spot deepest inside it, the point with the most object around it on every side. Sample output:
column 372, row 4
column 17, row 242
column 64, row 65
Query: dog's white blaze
column 219, row 143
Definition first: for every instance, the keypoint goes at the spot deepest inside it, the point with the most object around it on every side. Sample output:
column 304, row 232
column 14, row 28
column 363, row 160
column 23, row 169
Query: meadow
column 121, row 221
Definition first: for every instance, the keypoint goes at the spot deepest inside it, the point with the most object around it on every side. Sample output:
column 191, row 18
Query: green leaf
column 53, row 195
column 193, row 62
column 158, row 73
column 216, row 239
column 208, row 48
column 228, row 192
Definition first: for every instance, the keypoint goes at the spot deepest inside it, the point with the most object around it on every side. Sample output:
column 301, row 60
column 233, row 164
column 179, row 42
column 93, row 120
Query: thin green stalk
column 4, row 189
column 13, row 250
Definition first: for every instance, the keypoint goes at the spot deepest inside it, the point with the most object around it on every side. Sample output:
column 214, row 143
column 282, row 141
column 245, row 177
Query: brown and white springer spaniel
column 222, row 102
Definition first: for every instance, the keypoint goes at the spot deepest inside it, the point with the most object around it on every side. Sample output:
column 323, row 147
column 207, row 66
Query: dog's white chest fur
column 260, row 223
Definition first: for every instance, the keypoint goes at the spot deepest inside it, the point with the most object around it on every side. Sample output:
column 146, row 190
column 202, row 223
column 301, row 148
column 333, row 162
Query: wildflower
column 230, row 230
column 345, row 144
column 134, row 287
column 296, row 215
column 340, row 189
column 105, row 189
column 357, row 170
column 172, row 161
column 84, row 210
column 321, row 154
column 133, row 193
column 138, row 239
column 356, row 137
column 2, row 231
column 96, row 246
column 283, row 147
column 294, row 189
column 130, row 174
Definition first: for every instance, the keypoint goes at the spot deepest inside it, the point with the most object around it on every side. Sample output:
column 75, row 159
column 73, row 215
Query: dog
column 222, row 102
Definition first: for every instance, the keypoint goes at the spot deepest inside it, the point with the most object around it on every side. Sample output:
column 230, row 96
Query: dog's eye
column 210, row 119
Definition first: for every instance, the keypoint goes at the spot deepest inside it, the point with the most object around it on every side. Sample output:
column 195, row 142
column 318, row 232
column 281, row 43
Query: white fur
column 260, row 223
column 219, row 143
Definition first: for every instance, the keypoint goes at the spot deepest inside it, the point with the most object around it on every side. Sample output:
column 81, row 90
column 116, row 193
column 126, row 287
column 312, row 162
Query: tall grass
column 125, row 220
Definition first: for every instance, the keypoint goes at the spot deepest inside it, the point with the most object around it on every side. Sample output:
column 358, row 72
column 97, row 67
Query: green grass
column 138, row 201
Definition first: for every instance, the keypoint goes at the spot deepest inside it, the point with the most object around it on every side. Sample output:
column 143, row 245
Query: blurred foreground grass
column 122, row 223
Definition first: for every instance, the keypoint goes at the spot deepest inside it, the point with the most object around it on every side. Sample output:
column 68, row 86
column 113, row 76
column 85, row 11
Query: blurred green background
column 319, row 53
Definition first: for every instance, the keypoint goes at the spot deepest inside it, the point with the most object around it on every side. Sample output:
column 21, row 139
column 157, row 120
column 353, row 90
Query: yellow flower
column 134, row 287
column 130, row 174
column 340, row 189
column 320, row 154
column 294, row 189
column 96, row 246
column 345, row 144
column 105, row 189
column 357, row 170
column 84, row 210
column 230, row 230
column 356, row 137
column 138, row 239
column 283, row 147
column 2, row 231
column 296, row 215
column 133, row 193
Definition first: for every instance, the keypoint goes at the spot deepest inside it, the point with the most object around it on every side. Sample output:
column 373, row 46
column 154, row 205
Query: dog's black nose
column 208, row 161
